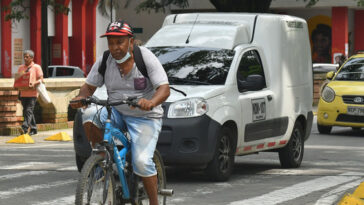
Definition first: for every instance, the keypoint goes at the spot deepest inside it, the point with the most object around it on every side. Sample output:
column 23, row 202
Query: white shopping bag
column 43, row 93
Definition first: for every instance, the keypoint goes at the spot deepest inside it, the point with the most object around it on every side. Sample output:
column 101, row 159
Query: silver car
column 65, row 71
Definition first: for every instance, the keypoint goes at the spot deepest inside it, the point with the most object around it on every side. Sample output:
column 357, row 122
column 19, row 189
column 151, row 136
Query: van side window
column 250, row 64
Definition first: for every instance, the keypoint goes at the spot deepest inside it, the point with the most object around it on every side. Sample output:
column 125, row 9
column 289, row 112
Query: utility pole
column 44, row 41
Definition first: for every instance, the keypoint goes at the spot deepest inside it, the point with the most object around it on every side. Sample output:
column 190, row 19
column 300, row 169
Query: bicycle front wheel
column 96, row 184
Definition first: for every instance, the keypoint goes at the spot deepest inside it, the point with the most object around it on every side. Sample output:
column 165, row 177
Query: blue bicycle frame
column 119, row 156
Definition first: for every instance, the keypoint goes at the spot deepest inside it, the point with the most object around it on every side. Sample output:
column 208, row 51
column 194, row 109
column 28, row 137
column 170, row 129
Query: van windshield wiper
column 186, row 81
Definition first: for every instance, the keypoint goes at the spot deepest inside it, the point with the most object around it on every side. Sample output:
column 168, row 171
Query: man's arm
column 39, row 74
column 159, row 97
column 86, row 90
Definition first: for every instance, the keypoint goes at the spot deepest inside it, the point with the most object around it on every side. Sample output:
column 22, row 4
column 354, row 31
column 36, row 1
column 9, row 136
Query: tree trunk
column 257, row 6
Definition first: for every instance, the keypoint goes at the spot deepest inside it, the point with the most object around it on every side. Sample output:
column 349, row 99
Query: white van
column 243, row 84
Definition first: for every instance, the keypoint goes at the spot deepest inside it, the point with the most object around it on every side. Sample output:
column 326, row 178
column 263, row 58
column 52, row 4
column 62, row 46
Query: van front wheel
column 291, row 155
column 221, row 166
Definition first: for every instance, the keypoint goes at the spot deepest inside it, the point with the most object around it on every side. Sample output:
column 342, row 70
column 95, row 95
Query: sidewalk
column 39, row 138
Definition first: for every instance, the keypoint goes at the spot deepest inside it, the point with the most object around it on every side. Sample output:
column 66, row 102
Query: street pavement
column 45, row 173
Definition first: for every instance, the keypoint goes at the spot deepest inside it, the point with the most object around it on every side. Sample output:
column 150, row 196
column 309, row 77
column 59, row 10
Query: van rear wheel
column 291, row 155
column 221, row 166
column 324, row 129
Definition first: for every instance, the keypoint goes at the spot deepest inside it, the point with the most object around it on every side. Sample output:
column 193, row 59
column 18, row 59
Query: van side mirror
column 252, row 83
column 330, row 75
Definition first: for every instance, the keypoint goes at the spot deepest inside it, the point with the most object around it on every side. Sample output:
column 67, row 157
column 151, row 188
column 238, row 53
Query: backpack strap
column 102, row 67
column 138, row 58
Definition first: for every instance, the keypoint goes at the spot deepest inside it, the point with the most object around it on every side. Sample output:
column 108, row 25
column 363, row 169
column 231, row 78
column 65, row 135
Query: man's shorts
column 143, row 132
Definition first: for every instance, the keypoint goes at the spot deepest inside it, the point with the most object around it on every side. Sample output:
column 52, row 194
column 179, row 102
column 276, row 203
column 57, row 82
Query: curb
column 357, row 198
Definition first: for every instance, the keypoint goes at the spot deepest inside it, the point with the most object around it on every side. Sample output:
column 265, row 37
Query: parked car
column 342, row 99
column 65, row 71
column 324, row 67
column 239, row 90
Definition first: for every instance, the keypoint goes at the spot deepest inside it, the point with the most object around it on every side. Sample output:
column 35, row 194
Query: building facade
column 72, row 39
column 336, row 28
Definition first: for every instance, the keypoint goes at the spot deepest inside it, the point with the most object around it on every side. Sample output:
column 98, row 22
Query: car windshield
column 195, row 66
column 353, row 70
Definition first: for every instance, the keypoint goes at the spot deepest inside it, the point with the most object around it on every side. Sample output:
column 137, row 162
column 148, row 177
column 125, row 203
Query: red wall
column 339, row 31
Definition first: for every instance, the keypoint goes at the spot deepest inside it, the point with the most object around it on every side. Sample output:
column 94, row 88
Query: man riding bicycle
column 123, row 80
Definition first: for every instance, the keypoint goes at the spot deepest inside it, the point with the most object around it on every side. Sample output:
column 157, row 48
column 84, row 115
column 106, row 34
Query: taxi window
column 352, row 70
column 250, row 64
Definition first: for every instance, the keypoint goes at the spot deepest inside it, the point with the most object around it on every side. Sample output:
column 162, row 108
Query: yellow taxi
column 342, row 99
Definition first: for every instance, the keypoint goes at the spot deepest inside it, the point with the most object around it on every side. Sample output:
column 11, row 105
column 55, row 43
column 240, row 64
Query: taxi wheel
column 291, row 155
column 324, row 129
column 221, row 166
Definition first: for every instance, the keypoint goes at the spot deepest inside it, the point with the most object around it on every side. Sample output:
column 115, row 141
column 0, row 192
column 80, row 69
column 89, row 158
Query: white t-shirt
column 133, row 84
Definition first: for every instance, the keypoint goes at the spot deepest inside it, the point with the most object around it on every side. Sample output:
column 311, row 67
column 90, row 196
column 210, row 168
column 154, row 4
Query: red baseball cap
column 118, row 28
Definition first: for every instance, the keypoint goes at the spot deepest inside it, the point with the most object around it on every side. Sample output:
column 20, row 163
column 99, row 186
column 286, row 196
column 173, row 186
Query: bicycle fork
column 120, row 166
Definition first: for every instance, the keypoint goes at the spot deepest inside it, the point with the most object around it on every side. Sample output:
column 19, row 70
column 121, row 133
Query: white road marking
column 71, row 168
column 297, row 190
column 334, row 195
column 331, row 147
column 40, row 165
column 21, row 174
column 323, row 163
column 35, row 155
column 22, row 190
column 68, row 200
column 300, row 172
column 41, row 146
column 26, row 165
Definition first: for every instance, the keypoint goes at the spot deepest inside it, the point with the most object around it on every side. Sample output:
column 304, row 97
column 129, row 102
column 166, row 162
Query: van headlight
column 328, row 94
column 191, row 107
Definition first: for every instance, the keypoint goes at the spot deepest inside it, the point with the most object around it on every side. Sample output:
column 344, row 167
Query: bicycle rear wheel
column 96, row 184
column 142, row 196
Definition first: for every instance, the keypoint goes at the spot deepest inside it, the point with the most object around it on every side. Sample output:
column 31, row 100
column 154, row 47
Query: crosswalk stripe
column 68, row 200
column 25, row 165
column 31, row 146
column 36, row 155
column 40, row 166
column 331, row 147
column 22, row 174
column 22, row 190
column 334, row 195
column 70, row 168
column 297, row 190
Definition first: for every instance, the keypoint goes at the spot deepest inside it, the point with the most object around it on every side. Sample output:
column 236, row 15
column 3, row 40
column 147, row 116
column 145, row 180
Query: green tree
column 220, row 5
column 17, row 9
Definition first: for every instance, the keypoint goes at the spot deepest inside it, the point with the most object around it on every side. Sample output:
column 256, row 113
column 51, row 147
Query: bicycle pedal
column 166, row 192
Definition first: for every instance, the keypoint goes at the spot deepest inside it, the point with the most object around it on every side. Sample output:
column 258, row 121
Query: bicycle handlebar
column 86, row 101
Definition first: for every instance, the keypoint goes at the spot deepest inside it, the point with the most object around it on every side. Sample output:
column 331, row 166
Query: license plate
column 356, row 111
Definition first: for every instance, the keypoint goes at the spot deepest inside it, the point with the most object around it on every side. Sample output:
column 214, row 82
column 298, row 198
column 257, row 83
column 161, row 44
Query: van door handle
column 269, row 97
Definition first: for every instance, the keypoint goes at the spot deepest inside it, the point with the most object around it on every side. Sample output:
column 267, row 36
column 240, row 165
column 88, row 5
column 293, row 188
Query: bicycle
column 108, row 178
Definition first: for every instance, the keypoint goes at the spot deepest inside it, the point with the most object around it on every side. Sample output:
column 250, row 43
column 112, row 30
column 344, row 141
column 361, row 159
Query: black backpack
column 138, row 58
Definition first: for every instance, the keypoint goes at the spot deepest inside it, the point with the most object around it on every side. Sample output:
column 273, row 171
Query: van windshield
column 195, row 65
column 353, row 70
